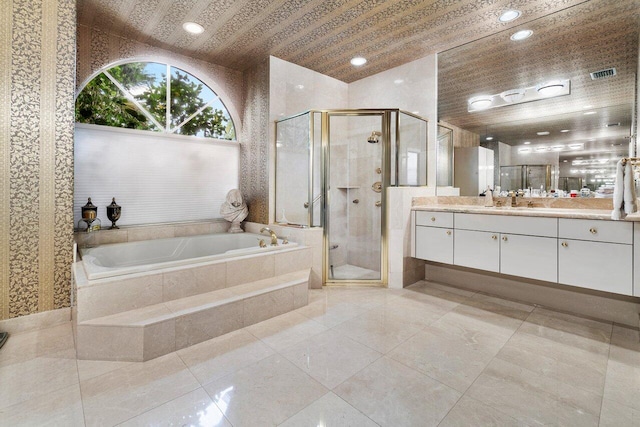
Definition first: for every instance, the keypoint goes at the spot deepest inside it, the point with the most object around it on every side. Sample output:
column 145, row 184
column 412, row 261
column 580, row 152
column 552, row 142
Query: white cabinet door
column 477, row 249
column 434, row 244
column 595, row 265
column 529, row 256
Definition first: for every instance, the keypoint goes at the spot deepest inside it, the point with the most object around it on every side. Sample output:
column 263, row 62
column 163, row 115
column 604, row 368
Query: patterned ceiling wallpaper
column 320, row 35
column 37, row 59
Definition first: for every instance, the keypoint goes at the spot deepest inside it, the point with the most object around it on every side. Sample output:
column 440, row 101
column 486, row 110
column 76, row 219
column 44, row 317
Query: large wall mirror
column 548, row 121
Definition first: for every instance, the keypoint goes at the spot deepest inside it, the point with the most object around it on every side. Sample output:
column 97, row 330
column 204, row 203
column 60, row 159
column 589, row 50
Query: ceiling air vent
column 603, row 74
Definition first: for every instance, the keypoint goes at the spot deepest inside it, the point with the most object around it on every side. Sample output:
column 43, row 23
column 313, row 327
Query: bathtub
column 144, row 256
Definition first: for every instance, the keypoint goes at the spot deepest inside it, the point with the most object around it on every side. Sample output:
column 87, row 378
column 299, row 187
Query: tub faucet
column 274, row 238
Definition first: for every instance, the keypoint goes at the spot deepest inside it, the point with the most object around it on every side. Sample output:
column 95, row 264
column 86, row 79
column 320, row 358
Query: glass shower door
column 355, row 150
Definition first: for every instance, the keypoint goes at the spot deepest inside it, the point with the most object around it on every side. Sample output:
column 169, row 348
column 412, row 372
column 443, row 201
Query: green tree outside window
column 134, row 96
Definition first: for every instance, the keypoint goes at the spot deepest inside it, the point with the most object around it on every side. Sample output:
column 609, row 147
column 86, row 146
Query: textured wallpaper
column 254, row 150
column 37, row 59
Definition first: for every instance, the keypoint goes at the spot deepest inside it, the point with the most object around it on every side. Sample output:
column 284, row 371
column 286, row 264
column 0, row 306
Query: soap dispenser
column 488, row 197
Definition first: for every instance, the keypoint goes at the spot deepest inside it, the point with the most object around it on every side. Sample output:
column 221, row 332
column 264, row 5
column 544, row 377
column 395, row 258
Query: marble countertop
column 600, row 214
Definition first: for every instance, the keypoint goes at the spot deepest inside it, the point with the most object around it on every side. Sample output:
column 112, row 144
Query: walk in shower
column 332, row 171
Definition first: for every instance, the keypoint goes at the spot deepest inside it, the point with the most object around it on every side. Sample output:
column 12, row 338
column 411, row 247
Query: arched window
column 136, row 95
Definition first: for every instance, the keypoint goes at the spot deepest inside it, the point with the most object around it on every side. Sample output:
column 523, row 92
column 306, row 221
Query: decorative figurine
column 113, row 213
column 90, row 217
column 234, row 210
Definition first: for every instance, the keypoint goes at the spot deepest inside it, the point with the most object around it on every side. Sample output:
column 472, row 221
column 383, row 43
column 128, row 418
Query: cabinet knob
column 593, row 230
column 504, row 238
column 564, row 244
column 494, row 237
column 448, row 232
column 433, row 218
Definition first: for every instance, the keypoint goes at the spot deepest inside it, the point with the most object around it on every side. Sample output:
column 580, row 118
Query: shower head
column 373, row 138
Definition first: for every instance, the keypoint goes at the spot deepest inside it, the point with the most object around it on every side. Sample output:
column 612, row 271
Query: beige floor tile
column 566, row 363
column 568, row 329
column 59, row 408
column 622, row 384
column 93, row 368
column 36, row 377
column 534, row 399
column 193, row 409
column 130, row 391
column 455, row 358
column 471, row 412
column 330, row 357
column 450, row 289
column 329, row 410
column 39, row 343
column 330, row 315
column 417, row 312
column 615, row 414
column 265, row 393
column 285, row 330
column 377, row 331
column 223, row 355
column 392, row 394
column 362, row 296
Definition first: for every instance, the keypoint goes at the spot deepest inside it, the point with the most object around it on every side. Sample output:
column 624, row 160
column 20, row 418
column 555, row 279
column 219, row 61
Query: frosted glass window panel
column 156, row 178
column 444, row 167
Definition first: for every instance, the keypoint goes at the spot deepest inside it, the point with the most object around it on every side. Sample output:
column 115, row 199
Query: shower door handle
column 378, row 203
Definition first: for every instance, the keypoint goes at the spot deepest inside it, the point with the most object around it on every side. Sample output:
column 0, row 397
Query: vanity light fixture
column 480, row 102
column 524, row 150
column 588, row 113
column 193, row 28
column 557, row 147
column 521, row 35
column 541, row 149
column 515, row 96
column 398, row 81
column 509, row 15
column 542, row 133
column 586, row 107
column 527, row 142
column 564, row 130
column 358, row 61
column 550, row 88
column 575, row 146
column 489, row 138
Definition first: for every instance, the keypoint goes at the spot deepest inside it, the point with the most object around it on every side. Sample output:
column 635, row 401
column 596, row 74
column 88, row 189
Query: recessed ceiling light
column 542, row 133
column 521, row 35
column 509, row 15
column 588, row 113
column 527, row 142
column 358, row 61
column 489, row 138
column 193, row 28
column 565, row 161
column 564, row 130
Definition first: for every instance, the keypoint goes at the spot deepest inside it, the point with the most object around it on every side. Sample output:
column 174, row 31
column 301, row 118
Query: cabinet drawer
column 596, row 265
column 434, row 219
column 527, row 225
column 434, row 244
column 596, row 230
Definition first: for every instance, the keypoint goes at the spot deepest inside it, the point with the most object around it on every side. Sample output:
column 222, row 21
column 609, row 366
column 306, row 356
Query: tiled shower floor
column 353, row 272
column 426, row 355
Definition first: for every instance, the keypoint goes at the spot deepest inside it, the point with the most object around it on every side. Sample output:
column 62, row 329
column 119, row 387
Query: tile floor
column 425, row 355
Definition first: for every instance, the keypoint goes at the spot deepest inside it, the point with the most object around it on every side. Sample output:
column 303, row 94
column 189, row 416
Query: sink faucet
column 514, row 203
column 274, row 238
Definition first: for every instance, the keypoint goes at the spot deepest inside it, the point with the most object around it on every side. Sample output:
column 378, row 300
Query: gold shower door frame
column 385, row 142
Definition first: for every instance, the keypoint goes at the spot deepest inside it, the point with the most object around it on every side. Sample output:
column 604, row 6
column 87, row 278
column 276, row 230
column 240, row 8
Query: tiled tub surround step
column 155, row 330
column 104, row 297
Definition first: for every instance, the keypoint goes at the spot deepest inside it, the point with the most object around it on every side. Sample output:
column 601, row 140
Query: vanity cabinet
column 596, row 255
column 434, row 236
column 593, row 254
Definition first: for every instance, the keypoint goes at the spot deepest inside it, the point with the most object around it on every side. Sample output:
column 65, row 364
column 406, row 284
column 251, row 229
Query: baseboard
column 31, row 322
